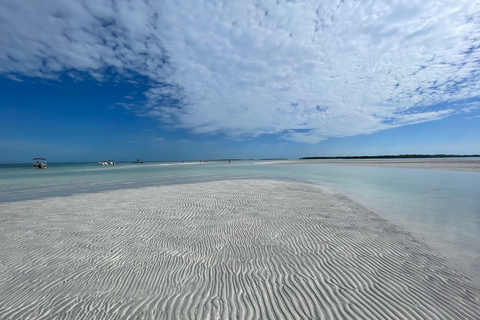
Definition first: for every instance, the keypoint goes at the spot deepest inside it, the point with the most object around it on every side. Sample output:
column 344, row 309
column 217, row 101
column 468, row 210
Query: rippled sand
column 249, row 249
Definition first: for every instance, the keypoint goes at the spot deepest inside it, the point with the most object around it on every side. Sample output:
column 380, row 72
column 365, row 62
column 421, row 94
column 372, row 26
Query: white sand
column 467, row 164
column 248, row 249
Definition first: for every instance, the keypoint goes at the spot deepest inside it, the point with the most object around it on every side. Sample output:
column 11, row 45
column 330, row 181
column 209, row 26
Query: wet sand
column 432, row 164
column 243, row 249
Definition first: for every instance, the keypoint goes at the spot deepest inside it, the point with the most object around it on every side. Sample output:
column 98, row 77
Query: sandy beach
column 243, row 249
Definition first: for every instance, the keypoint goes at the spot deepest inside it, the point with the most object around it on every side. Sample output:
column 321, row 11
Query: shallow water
column 259, row 249
column 438, row 207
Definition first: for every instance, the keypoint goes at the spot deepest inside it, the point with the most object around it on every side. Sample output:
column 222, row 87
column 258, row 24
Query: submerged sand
column 248, row 249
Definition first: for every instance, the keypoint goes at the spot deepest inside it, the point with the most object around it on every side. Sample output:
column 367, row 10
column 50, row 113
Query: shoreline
column 426, row 164
column 222, row 249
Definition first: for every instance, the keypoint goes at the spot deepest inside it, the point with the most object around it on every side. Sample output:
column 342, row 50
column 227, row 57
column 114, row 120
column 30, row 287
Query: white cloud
column 304, row 70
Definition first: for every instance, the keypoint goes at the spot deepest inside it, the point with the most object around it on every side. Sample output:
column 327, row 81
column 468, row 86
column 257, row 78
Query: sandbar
column 242, row 249
column 472, row 165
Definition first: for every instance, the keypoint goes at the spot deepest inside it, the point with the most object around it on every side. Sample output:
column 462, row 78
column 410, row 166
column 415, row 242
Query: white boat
column 40, row 163
column 103, row 163
column 111, row 162
column 137, row 161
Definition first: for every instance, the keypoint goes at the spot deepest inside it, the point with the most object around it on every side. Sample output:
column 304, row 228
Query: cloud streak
column 303, row 70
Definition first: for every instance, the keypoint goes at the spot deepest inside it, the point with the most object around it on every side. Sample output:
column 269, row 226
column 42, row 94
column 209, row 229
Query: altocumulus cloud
column 306, row 70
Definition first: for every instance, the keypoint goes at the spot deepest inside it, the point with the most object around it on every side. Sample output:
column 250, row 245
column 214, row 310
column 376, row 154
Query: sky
column 191, row 80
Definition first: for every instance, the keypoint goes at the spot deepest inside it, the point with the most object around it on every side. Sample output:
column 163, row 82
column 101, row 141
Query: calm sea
column 441, row 208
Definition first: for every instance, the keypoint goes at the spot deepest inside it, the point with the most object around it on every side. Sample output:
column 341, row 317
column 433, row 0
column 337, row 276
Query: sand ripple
column 248, row 249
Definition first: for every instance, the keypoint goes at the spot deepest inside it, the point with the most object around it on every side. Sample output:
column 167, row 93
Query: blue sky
column 180, row 80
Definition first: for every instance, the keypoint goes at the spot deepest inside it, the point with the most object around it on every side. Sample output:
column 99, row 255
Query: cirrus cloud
column 304, row 70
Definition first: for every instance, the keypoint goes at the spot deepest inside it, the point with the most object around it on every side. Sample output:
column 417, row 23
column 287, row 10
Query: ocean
column 438, row 207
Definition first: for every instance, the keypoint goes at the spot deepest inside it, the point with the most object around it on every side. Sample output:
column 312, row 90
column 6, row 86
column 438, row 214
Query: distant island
column 401, row 156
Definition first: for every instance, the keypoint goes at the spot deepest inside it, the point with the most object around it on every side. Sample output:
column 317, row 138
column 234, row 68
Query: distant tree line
column 401, row 156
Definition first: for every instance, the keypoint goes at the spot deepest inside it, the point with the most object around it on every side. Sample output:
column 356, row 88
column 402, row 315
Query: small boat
column 40, row 163
column 103, row 163
column 137, row 161
column 111, row 162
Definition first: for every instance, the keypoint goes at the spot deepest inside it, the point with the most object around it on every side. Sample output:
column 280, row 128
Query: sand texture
column 246, row 249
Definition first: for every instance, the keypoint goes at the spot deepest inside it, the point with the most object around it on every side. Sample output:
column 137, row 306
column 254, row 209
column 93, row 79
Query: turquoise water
column 439, row 207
